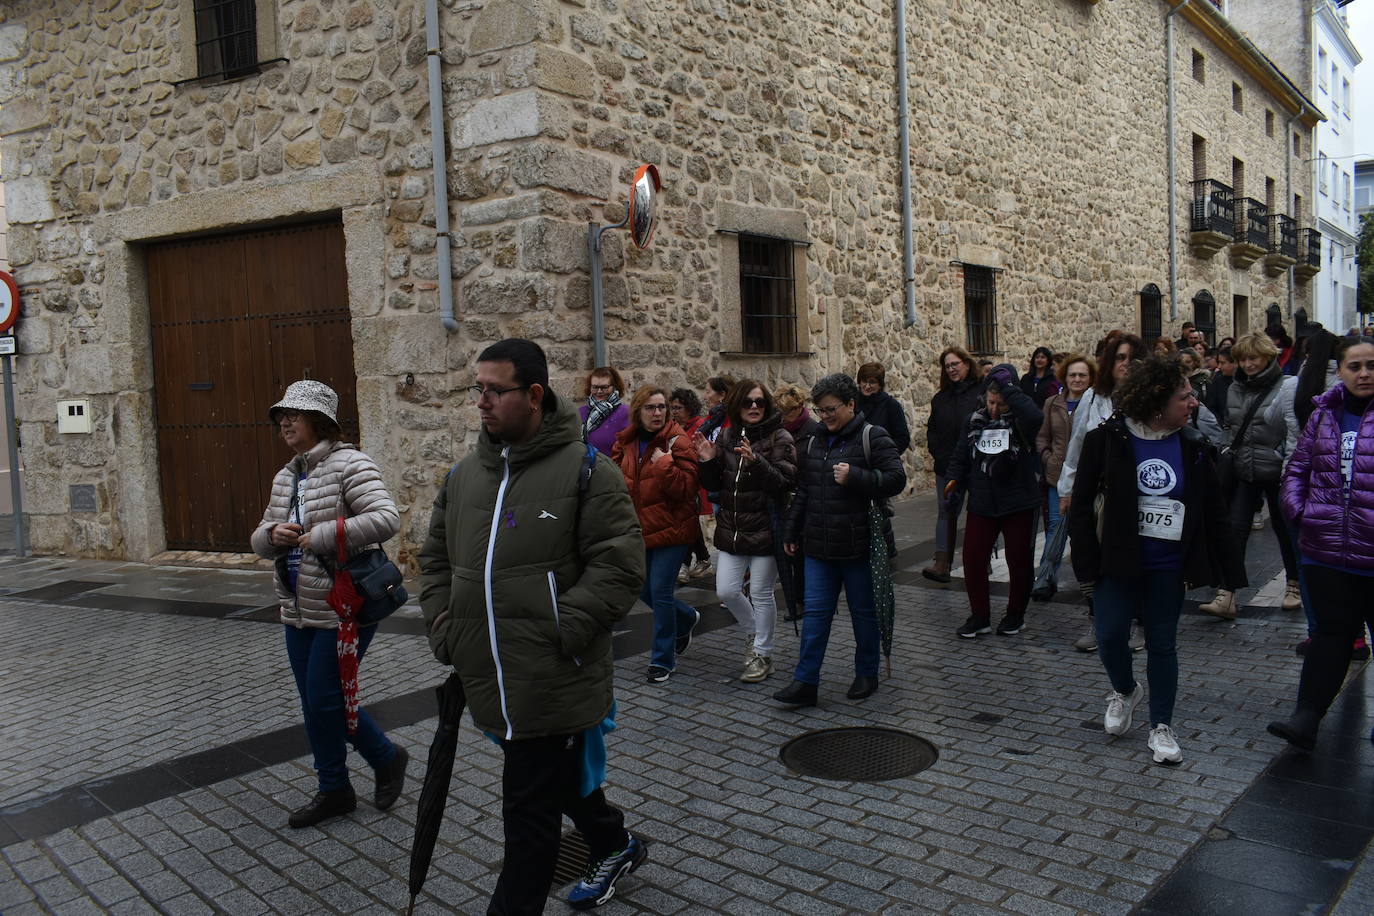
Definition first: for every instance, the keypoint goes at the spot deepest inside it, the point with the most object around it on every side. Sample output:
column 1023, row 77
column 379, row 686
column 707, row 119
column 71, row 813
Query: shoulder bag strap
column 1245, row 424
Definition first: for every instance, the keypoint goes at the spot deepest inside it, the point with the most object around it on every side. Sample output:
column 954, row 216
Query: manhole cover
column 864, row 754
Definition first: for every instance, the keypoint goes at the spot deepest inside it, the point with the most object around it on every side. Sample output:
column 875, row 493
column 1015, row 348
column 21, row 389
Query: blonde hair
column 789, row 397
column 1252, row 345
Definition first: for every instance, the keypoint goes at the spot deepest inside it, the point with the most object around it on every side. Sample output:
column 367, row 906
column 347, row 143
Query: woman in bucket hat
column 325, row 480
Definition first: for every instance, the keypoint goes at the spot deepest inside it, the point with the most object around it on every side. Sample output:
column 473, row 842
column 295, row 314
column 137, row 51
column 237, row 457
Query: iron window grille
column 1311, row 247
column 980, row 308
column 1252, row 222
column 226, row 38
column 1205, row 316
column 1283, row 235
column 1214, row 207
column 767, row 293
column 1151, row 313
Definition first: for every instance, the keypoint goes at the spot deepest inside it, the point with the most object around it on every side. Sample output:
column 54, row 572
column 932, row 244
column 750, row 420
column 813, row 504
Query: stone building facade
column 1039, row 158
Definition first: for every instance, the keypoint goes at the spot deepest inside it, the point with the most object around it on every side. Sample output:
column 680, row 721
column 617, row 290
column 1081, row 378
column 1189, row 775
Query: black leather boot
column 1299, row 731
column 324, row 806
column 797, row 694
column 862, row 687
column 391, row 779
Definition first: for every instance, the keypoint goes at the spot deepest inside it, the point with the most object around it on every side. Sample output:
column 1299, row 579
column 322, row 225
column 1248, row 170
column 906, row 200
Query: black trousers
column 540, row 785
column 1245, row 499
column 1342, row 605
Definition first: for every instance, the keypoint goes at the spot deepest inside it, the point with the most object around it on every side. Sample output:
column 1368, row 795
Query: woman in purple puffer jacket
column 1328, row 493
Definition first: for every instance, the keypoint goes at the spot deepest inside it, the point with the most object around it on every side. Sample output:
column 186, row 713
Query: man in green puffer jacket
column 524, row 573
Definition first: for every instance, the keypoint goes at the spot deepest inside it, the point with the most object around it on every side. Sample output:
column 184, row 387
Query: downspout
column 904, row 135
column 1170, row 139
column 1288, row 192
column 439, row 161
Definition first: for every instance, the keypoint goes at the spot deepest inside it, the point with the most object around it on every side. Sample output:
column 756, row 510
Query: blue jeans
column 1048, row 571
column 315, row 663
column 671, row 616
column 1157, row 599
column 823, row 581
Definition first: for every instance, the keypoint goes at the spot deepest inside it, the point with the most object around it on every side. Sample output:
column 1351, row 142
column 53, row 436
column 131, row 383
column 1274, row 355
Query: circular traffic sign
column 9, row 301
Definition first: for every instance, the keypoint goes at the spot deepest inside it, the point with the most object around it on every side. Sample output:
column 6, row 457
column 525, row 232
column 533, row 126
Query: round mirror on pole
column 643, row 208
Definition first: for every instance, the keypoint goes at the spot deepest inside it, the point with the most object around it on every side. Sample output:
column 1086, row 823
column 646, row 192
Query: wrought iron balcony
column 1310, row 249
column 1283, row 244
column 1252, row 232
column 1213, row 217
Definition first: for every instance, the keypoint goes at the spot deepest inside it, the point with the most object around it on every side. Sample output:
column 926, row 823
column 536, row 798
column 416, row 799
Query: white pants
column 757, row 613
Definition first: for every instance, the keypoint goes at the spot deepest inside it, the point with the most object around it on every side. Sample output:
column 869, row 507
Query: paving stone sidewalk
column 1029, row 809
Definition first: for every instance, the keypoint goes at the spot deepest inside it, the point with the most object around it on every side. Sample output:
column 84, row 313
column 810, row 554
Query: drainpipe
column 1288, row 191
column 1172, row 158
column 904, row 144
column 444, row 244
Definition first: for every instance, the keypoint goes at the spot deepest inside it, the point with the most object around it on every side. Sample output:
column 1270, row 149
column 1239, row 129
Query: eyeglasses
column 290, row 416
column 492, row 394
column 601, row 387
column 654, row 407
column 752, row 402
column 954, row 365
column 828, row 411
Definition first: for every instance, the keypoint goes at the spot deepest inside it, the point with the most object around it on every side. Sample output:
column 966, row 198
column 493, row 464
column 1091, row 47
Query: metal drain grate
column 572, row 859
column 863, row 754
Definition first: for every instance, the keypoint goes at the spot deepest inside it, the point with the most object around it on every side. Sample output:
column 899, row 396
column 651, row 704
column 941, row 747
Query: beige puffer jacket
column 337, row 473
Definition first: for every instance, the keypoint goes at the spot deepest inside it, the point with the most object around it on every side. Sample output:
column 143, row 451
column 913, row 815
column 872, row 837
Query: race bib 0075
column 1160, row 517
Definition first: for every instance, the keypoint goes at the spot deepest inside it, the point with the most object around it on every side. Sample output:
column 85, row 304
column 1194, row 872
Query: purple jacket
column 1331, row 529
column 603, row 437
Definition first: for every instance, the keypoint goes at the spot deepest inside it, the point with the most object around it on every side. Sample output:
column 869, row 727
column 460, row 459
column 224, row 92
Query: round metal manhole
column 862, row 754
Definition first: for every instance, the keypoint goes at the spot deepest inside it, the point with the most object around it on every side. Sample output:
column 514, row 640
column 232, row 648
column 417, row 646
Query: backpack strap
column 584, row 477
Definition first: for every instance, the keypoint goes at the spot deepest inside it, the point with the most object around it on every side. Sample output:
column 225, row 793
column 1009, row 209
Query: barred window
column 767, row 294
column 1151, row 313
column 980, row 308
column 1205, row 316
column 226, row 37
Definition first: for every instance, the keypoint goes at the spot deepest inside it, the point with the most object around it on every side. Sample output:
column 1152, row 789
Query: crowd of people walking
column 1146, row 462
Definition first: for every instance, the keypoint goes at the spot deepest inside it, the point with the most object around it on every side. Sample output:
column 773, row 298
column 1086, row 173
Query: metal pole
column 598, row 315
column 439, row 164
column 1170, row 139
column 16, row 491
column 904, row 151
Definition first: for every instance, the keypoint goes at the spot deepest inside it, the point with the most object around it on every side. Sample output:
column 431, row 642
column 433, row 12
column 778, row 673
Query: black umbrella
column 789, row 568
column 438, row 772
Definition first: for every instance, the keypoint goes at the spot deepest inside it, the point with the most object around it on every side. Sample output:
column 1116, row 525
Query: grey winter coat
column 1273, row 433
column 340, row 480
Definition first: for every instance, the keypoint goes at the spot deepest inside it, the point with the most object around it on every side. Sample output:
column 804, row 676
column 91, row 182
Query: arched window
column 1151, row 313
column 1205, row 316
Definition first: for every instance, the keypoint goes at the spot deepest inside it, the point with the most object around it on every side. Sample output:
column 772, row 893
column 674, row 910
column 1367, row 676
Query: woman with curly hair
column 1161, row 522
column 959, row 395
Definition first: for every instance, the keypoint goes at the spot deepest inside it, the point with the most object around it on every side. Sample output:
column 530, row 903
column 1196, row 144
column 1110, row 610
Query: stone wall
column 1038, row 148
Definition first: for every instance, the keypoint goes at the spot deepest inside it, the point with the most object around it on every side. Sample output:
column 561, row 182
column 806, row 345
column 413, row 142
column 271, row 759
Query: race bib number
column 993, row 441
column 1161, row 518
column 1348, row 455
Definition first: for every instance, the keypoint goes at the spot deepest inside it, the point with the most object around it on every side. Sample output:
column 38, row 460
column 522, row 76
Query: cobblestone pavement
column 1029, row 808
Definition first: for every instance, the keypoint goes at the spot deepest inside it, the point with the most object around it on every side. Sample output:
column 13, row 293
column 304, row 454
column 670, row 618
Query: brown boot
column 938, row 571
column 1223, row 605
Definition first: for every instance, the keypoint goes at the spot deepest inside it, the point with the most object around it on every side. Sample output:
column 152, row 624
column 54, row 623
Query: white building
column 1334, row 57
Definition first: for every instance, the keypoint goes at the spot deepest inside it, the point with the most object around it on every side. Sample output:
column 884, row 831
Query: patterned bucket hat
column 308, row 394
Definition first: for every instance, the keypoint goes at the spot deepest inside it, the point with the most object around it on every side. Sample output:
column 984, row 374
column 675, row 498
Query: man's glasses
column 492, row 394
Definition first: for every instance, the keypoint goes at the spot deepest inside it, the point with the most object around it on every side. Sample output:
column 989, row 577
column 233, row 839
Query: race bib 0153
column 993, row 441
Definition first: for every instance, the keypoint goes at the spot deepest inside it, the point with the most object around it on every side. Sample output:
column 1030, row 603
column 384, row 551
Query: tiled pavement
column 1029, row 809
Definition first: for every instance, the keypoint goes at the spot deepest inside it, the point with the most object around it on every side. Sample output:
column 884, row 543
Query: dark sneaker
column 324, row 806
column 1010, row 625
column 1360, row 651
column 598, row 883
column 1302, row 647
column 684, row 640
column 657, row 674
column 975, row 627
column 862, row 688
column 1044, row 592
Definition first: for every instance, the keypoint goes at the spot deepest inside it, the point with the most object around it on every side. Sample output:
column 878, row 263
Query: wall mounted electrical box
column 74, row 416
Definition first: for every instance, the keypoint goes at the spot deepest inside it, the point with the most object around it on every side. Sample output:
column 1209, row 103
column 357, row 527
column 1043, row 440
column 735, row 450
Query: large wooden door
column 235, row 319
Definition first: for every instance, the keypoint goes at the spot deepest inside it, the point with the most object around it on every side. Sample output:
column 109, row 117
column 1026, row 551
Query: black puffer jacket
column 949, row 409
column 886, row 411
column 834, row 517
column 744, row 526
column 1004, row 483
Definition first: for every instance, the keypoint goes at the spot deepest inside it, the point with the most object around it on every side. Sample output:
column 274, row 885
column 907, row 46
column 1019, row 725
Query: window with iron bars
column 980, row 308
column 226, row 38
column 1151, row 313
column 767, row 294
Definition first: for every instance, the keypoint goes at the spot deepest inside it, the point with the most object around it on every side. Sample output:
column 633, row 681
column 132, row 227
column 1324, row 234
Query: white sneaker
column 1164, row 744
column 1117, row 720
column 700, row 568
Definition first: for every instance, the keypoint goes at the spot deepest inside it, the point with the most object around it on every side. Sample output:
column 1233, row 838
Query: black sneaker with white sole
column 975, row 627
column 684, row 640
column 1010, row 625
column 657, row 674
